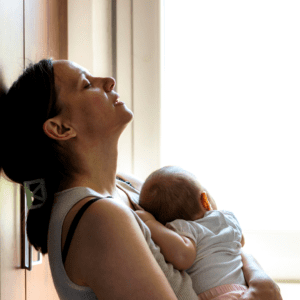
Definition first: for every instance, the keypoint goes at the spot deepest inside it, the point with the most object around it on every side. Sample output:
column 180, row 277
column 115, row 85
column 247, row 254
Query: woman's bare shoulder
column 110, row 246
column 91, row 225
column 73, row 259
column 102, row 215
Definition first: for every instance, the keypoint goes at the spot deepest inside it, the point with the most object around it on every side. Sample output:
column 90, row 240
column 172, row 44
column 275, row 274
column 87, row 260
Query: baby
column 193, row 237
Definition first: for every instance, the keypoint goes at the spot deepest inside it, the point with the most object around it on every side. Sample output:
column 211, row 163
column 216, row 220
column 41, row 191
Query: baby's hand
column 144, row 215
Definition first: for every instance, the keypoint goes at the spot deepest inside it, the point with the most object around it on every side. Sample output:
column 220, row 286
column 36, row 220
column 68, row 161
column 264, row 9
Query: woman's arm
column 261, row 286
column 114, row 258
column 178, row 250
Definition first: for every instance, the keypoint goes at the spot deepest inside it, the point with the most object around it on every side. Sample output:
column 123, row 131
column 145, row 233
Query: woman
column 62, row 125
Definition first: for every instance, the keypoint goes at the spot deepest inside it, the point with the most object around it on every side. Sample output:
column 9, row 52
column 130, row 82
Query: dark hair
column 27, row 152
column 170, row 193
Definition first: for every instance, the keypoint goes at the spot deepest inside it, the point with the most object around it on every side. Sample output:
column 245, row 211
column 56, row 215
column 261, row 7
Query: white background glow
column 230, row 107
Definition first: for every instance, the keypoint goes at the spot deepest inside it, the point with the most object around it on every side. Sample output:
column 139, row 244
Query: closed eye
column 87, row 86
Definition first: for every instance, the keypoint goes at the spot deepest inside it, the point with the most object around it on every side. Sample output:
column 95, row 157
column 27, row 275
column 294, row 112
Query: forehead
column 67, row 73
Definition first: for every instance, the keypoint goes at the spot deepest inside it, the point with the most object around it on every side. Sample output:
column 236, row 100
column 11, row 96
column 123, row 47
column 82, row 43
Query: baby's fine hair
column 170, row 193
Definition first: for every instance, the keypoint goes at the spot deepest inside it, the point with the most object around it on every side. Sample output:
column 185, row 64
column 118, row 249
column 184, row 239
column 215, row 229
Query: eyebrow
column 82, row 72
column 79, row 77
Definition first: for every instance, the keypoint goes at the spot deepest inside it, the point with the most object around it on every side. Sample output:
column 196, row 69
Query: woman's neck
column 98, row 169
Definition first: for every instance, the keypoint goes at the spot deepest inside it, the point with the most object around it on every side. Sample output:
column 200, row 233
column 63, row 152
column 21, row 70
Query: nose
column 109, row 84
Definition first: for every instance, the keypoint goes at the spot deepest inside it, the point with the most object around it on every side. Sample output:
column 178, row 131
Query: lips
column 117, row 101
column 117, row 97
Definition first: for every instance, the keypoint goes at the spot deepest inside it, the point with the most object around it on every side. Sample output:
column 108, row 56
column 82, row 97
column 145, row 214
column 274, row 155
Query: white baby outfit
column 218, row 240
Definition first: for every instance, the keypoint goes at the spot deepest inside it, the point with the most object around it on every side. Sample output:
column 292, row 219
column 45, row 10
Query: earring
column 205, row 202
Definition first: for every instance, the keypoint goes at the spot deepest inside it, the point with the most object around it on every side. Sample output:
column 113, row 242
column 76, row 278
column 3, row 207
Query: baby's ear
column 204, row 202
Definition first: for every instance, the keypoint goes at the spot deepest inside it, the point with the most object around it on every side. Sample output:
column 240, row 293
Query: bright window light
column 231, row 104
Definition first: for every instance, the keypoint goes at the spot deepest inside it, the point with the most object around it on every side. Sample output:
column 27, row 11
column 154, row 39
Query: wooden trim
column 25, row 257
column 114, row 37
column 146, row 36
column 287, row 281
column 124, row 73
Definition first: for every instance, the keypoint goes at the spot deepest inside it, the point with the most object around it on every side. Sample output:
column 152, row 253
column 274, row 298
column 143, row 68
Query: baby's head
column 172, row 193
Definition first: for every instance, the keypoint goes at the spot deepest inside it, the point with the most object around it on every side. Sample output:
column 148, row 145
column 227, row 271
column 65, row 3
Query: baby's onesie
column 218, row 240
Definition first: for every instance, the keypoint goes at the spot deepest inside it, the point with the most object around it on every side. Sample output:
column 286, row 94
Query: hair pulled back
column 27, row 152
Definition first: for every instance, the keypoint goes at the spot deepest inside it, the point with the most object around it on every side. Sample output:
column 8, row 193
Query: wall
column 146, row 42
column 139, row 74
column 124, row 77
column 91, row 45
column 89, row 35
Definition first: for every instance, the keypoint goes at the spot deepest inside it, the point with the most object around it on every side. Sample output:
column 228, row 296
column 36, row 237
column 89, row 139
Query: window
column 230, row 112
column 214, row 87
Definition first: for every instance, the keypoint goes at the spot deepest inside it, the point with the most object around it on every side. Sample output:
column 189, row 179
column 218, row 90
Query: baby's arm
column 178, row 250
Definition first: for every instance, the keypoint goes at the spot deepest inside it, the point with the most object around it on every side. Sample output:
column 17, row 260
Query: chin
column 130, row 114
column 125, row 120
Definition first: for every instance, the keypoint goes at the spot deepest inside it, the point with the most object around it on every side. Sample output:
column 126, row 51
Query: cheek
column 97, row 97
column 97, row 103
column 91, row 105
column 83, row 110
column 82, row 115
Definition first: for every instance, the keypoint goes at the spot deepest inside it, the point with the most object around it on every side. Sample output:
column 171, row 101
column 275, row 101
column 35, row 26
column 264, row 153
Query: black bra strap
column 74, row 225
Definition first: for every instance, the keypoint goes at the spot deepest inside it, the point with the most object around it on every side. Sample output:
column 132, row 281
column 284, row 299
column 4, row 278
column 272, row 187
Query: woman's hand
column 261, row 286
column 144, row 215
column 262, row 289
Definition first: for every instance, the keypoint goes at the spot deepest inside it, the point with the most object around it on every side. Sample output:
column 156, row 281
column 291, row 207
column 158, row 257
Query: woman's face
column 89, row 103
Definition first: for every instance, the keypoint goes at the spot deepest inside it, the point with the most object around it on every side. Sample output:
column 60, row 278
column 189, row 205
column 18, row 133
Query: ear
column 200, row 214
column 204, row 203
column 54, row 129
